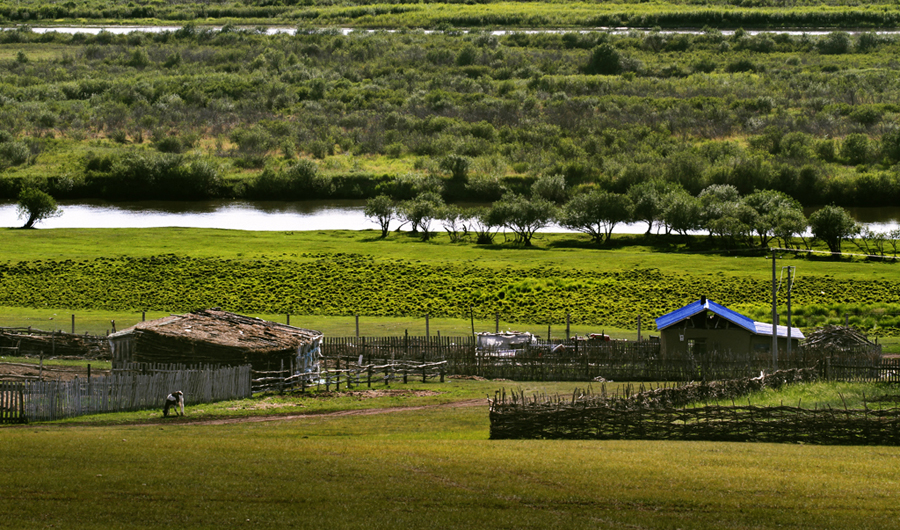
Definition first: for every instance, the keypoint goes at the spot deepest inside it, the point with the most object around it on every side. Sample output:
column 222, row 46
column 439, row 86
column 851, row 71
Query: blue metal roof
column 758, row 328
column 698, row 307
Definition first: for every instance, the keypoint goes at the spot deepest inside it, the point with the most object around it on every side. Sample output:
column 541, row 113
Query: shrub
column 836, row 42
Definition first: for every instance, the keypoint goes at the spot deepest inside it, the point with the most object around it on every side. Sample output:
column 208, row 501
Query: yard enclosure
column 665, row 414
column 581, row 360
column 122, row 391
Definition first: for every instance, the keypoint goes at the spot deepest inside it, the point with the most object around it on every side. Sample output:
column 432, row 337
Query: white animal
column 174, row 400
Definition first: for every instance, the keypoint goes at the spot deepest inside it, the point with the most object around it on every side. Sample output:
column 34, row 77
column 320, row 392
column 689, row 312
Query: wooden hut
column 704, row 325
column 219, row 338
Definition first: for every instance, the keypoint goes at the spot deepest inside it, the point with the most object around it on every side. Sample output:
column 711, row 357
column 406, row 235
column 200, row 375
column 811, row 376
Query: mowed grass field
column 430, row 467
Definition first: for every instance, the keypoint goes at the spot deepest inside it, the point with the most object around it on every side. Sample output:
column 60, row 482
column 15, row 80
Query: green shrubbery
column 388, row 287
column 813, row 117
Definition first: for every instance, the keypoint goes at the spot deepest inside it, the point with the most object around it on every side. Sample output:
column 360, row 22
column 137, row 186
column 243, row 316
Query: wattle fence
column 119, row 392
column 665, row 414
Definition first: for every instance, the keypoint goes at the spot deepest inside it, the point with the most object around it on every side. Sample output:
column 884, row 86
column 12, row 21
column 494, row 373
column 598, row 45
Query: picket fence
column 122, row 391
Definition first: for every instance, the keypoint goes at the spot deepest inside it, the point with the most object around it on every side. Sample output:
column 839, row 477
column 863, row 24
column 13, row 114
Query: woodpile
column 841, row 341
column 837, row 337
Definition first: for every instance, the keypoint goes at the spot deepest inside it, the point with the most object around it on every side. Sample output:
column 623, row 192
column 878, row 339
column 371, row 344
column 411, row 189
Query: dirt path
column 263, row 418
column 356, row 412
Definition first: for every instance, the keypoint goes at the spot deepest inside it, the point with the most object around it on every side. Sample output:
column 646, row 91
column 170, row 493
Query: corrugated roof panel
column 763, row 328
column 694, row 308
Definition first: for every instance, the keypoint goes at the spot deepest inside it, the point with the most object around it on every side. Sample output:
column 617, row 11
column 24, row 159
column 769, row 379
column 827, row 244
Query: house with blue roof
column 704, row 325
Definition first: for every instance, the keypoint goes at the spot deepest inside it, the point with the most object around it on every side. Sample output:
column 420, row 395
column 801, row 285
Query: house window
column 696, row 347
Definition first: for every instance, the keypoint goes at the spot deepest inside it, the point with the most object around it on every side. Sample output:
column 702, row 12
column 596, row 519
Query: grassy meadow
column 425, row 468
column 323, row 279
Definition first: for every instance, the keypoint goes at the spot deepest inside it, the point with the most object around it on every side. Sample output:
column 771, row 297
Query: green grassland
column 554, row 14
column 332, row 276
column 424, row 468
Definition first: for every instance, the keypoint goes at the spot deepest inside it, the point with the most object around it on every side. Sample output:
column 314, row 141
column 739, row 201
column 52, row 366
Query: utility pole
column 790, row 284
column 774, row 315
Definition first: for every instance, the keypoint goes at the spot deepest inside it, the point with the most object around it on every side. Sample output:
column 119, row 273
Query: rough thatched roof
column 222, row 328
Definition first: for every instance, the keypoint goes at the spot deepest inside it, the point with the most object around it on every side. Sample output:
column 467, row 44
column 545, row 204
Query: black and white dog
column 175, row 400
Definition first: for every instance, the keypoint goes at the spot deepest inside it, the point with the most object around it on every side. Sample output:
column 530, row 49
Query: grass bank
column 328, row 277
column 427, row 468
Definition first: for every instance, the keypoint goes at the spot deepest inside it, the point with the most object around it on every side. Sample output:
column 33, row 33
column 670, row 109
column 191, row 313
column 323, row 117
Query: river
column 293, row 216
column 272, row 30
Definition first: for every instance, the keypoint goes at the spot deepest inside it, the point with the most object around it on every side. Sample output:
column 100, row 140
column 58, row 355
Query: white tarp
column 505, row 341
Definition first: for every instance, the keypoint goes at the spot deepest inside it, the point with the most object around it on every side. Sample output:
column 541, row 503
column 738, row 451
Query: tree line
column 761, row 219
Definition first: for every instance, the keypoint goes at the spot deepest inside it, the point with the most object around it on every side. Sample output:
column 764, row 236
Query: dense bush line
column 237, row 113
column 347, row 284
column 484, row 13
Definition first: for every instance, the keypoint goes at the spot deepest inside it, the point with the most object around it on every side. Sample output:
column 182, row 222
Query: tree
column 381, row 209
column 774, row 208
column 855, row 149
column 717, row 201
column 647, row 198
column 890, row 145
column 453, row 219
column 420, row 211
column 682, row 212
column 833, row 224
column 522, row 215
column 787, row 223
column 457, row 165
column 597, row 213
column 485, row 224
column 36, row 205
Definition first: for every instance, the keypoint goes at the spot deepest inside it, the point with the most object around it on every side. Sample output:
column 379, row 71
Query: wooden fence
column 661, row 414
column 348, row 375
column 861, row 370
column 11, row 409
column 126, row 391
column 568, row 360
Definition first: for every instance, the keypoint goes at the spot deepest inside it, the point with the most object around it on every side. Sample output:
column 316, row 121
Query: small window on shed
column 696, row 347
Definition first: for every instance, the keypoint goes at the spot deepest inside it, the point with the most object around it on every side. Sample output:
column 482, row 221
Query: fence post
column 496, row 322
column 568, row 335
column 73, row 324
column 427, row 326
column 357, row 327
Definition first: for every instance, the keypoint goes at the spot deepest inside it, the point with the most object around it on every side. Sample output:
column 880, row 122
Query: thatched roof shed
column 216, row 337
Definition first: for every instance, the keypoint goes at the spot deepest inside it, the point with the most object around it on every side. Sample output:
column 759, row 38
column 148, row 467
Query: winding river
column 293, row 216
